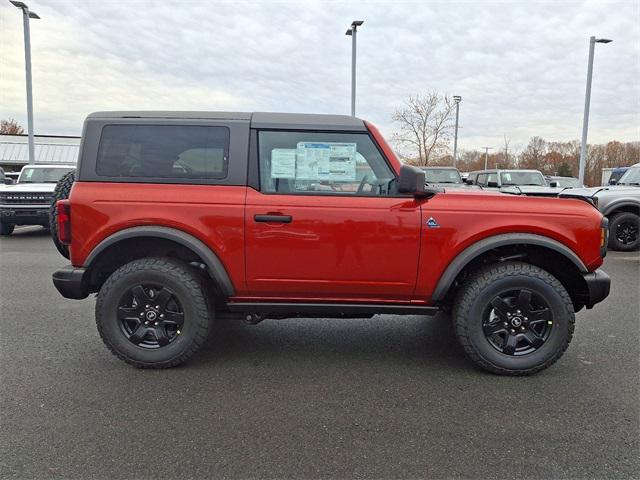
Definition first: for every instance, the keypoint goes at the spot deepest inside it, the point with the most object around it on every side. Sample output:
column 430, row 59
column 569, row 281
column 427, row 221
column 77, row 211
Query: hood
column 610, row 190
column 532, row 190
column 28, row 187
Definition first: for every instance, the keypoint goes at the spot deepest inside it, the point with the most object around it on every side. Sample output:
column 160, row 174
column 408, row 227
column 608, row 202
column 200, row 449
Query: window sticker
column 326, row 161
column 283, row 163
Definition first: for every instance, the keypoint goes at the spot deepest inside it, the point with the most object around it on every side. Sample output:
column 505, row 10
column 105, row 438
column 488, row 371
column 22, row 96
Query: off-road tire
column 6, row 229
column 614, row 222
column 185, row 281
column 475, row 296
column 61, row 192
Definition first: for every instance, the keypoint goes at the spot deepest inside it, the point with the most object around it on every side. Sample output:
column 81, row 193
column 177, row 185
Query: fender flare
column 625, row 202
column 214, row 265
column 486, row 244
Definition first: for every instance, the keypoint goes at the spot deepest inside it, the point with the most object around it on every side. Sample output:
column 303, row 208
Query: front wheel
column 624, row 232
column 6, row 228
column 513, row 318
column 152, row 312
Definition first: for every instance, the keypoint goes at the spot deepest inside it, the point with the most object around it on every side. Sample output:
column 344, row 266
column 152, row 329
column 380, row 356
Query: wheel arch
column 545, row 252
column 185, row 245
column 622, row 206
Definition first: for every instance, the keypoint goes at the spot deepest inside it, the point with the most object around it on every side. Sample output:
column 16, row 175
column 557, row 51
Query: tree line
column 425, row 137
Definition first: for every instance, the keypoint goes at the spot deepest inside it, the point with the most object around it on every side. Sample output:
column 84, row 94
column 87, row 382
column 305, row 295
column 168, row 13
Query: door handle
column 273, row 218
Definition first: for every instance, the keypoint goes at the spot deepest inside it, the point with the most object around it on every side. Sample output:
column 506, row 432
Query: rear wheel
column 623, row 231
column 61, row 192
column 6, row 228
column 152, row 312
column 513, row 318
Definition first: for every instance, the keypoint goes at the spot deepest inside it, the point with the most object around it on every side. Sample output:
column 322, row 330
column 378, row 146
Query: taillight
column 64, row 221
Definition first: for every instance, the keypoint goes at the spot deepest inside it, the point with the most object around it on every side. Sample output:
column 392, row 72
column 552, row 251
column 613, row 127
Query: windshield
column 631, row 177
column 522, row 178
column 42, row 175
column 566, row 182
column 442, row 175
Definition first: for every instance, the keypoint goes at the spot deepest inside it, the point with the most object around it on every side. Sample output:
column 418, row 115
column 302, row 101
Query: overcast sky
column 520, row 67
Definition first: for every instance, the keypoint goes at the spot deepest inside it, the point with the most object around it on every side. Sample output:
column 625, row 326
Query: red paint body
column 348, row 248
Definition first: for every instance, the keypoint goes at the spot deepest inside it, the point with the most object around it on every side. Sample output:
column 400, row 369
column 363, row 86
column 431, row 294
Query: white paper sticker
column 283, row 163
column 326, row 161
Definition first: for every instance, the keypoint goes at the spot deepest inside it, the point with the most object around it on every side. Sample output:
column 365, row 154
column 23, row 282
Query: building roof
column 14, row 149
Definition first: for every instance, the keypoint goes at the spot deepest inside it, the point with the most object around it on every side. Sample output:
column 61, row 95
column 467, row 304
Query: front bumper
column 25, row 214
column 598, row 287
column 72, row 282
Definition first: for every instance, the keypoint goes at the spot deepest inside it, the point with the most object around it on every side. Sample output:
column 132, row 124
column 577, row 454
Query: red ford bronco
column 176, row 218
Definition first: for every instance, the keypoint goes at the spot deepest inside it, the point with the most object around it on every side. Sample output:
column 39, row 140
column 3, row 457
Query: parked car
column 27, row 202
column 178, row 218
column 563, row 182
column 446, row 176
column 616, row 175
column 518, row 182
column 620, row 203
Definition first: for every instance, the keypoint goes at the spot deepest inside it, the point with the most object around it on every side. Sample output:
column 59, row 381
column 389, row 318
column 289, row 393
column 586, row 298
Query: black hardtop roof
column 265, row 120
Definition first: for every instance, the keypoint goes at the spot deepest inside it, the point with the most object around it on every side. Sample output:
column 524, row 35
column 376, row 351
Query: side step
column 329, row 309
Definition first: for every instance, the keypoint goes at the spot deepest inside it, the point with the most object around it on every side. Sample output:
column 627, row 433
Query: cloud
column 520, row 67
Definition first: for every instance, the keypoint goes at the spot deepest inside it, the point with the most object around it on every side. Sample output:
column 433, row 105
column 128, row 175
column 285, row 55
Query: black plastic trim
column 273, row 218
column 215, row 266
column 71, row 282
column 467, row 255
column 267, row 308
column 598, row 286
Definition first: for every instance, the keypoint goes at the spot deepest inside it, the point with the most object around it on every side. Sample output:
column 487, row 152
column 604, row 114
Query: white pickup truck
column 28, row 201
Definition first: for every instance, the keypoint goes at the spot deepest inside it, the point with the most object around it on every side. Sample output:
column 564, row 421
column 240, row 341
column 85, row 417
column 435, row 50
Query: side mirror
column 553, row 184
column 492, row 184
column 613, row 181
column 468, row 181
column 412, row 180
column 8, row 181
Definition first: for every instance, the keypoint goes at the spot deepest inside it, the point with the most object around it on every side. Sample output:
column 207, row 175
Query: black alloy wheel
column 627, row 233
column 517, row 322
column 150, row 316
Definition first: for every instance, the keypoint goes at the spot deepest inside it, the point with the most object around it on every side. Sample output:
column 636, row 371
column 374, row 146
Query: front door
column 327, row 223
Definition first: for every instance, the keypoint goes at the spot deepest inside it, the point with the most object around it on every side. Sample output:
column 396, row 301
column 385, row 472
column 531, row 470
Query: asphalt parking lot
column 389, row 397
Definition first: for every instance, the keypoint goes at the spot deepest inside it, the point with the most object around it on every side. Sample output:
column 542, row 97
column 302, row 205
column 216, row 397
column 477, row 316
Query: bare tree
column 425, row 127
column 10, row 127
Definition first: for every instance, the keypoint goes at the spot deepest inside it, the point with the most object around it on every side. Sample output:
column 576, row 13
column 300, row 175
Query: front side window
column 163, row 151
column 315, row 163
column 482, row 179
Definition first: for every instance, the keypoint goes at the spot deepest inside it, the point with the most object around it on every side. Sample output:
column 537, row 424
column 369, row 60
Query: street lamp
column 352, row 33
column 486, row 155
column 457, row 99
column 587, row 101
column 26, row 15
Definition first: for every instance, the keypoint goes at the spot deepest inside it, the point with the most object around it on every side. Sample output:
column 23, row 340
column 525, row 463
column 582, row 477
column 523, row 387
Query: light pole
column 457, row 99
column 352, row 31
column 587, row 101
column 26, row 15
column 486, row 155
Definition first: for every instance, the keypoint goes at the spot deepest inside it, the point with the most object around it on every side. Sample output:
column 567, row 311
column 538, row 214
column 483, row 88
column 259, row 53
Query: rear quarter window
column 180, row 152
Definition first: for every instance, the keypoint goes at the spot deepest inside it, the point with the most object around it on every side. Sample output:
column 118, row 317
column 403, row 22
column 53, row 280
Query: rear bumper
column 72, row 282
column 598, row 286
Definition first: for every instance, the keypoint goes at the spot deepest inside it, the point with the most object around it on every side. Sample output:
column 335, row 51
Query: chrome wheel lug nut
column 146, row 323
column 522, row 328
column 508, row 314
column 162, row 315
column 513, row 331
column 517, row 311
column 505, row 324
column 156, row 324
column 157, row 307
column 146, row 306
